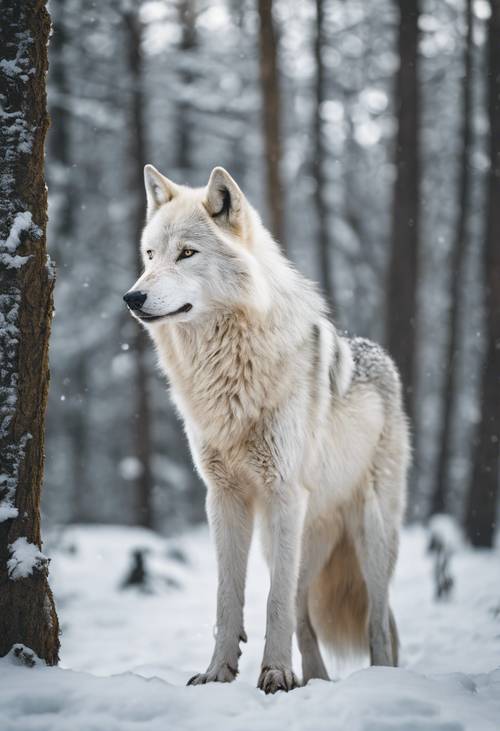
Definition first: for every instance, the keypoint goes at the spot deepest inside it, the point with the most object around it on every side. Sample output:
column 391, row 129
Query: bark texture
column 482, row 501
column 271, row 118
column 403, row 264
column 27, row 612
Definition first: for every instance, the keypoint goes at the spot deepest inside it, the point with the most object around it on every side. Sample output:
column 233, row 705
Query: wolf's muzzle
column 135, row 300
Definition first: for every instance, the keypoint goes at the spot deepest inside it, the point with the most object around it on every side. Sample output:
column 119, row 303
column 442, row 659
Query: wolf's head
column 199, row 249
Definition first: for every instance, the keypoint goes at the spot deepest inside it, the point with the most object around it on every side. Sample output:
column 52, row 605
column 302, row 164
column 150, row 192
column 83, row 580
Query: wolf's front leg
column 285, row 519
column 231, row 519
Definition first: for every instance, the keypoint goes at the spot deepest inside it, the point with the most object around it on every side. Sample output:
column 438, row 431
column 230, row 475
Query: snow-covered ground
column 126, row 655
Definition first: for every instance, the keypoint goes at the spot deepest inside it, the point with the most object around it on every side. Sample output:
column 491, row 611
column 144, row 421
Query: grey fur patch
column 374, row 366
column 315, row 366
column 334, row 368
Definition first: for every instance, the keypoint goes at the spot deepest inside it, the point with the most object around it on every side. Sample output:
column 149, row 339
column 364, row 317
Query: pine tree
column 482, row 499
column 441, row 487
column 403, row 265
column 142, row 436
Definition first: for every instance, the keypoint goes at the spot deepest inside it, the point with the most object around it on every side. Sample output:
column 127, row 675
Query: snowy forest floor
column 126, row 655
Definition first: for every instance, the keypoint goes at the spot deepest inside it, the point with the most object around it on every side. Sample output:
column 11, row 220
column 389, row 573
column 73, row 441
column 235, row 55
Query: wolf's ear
column 224, row 199
column 159, row 189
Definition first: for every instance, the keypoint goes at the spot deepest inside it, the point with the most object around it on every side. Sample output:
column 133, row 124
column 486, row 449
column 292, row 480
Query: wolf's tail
column 338, row 602
column 338, row 605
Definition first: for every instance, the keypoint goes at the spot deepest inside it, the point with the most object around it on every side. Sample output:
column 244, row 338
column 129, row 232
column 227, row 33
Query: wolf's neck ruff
column 226, row 371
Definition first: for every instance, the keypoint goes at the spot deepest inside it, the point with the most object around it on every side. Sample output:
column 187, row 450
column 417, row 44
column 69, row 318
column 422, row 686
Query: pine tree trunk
column 271, row 114
column 62, row 242
column 441, row 487
column 403, row 276
column 27, row 611
column 187, row 45
column 142, row 437
column 482, row 499
column 59, row 139
column 319, row 158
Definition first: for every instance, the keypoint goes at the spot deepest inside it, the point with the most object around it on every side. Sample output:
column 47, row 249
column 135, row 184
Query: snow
column 127, row 654
column 7, row 511
column 24, row 558
column 22, row 222
column 13, row 261
column 10, row 67
column 445, row 529
column 130, row 468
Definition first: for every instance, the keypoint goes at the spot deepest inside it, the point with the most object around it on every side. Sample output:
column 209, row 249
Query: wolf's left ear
column 159, row 189
column 224, row 199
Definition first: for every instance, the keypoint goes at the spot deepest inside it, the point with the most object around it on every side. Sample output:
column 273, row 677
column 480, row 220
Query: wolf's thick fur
column 287, row 422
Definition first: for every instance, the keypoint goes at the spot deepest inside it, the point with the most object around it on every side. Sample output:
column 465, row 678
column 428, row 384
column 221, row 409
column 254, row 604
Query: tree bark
column 403, row 265
column 441, row 487
column 482, row 498
column 271, row 116
column 27, row 611
column 142, row 436
column 319, row 158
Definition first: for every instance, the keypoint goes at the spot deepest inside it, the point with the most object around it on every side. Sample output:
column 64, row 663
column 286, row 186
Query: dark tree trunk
column 187, row 45
column 441, row 487
column 62, row 243
column 59, row 140
column 27, row 611
column 402, row 275
column 77, row 421
column 271, row 115
column 142, row 437
column 482, row 499
column 319, row 158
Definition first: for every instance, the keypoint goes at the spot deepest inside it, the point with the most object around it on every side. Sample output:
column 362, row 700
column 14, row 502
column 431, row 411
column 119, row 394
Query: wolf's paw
column 272, row 679
column 222, row 674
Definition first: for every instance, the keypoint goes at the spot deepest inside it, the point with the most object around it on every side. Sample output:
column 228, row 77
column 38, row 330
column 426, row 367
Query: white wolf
column 287, row 422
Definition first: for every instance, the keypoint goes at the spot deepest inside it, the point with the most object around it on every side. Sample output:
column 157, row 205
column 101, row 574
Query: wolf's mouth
column 151, row 318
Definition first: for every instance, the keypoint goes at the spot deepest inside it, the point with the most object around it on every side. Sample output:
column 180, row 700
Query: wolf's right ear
column 224, row 199
column 159, row 189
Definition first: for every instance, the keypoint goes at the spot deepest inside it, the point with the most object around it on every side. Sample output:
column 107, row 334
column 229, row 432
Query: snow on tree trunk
column 482, row 500
column 27, row 612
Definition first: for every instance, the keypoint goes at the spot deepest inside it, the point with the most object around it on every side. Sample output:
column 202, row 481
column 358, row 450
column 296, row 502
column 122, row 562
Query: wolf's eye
column 149, row 253
column 186, row 254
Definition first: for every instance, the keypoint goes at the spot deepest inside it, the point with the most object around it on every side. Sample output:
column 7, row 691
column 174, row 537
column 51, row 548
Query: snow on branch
column 25, row 559
column 22, row 222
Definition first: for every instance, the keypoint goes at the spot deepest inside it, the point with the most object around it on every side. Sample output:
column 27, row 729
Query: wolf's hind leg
column 394, row 638
column 376, row 554
column 313, row 558
column 312, row 662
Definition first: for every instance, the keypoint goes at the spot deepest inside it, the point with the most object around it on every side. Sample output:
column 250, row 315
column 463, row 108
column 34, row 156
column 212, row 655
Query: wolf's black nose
column 135, row 300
